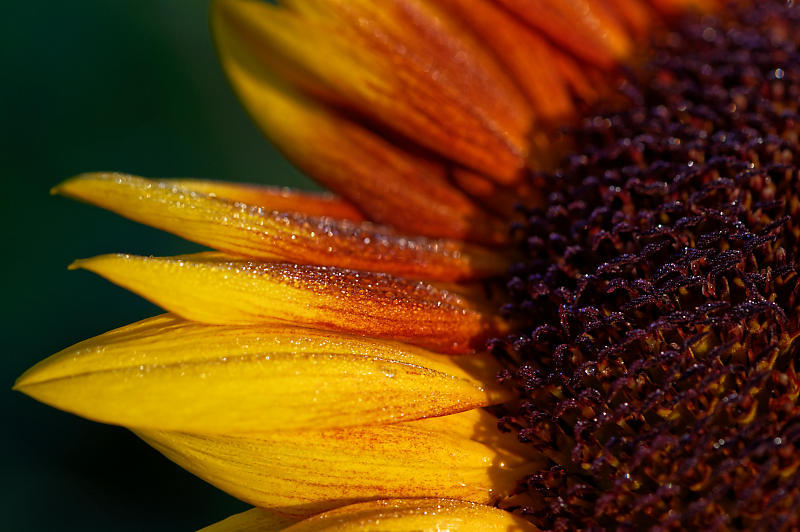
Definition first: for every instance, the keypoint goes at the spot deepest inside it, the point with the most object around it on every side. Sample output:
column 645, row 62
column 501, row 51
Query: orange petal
column 399, row 63
column 272, row 235
column 584, row 27
column 525, row 53
column 401, row 515
column 503, row 200
column 635, row 14
column 219, row 289
column 389, row 183
column 305, row 472
column 166, row 373
column 576, row 73
column 279, row 199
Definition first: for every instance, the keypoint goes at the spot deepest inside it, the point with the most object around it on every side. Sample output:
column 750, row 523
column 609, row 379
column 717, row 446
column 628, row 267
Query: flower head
column 353, row 361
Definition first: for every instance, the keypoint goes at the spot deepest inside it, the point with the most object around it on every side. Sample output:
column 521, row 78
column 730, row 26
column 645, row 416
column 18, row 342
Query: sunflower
column 517, row 312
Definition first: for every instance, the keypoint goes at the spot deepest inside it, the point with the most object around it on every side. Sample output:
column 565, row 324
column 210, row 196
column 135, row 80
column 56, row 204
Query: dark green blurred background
column 126, row 85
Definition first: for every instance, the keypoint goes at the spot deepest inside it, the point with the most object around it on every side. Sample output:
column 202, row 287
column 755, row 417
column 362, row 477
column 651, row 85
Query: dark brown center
column 657, row 355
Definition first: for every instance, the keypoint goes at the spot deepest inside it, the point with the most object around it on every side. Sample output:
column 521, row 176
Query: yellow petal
column 425, row 515
column 253, row 520
column 170, row 374
column 401, row 64
column 305, row 472
column 273, row 198
column 253, row 232
column 481, row 426
column 392, row 185
column 220, row 289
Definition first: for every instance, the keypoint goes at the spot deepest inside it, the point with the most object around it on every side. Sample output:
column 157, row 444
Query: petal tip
column 19, row 383
column 25, row 382
column 69, row 186
column 78, row 185
column 87, row 263
column 93, row 263
column 32, row 376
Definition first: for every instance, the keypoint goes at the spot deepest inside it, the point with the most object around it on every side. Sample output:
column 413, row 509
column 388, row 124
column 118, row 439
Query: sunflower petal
column 524, row 52
column 587, row 28
column 305, row 472
column 219, row 289
column 253, row 520
column 636, row 15
column 170, row 374
column 428, row 515
column 503, row 200
column 402, row 64
column 480, row 426
column 424, row 515
column 579, row 77
column 272, row 235
column 389, row 183
column 279, row 199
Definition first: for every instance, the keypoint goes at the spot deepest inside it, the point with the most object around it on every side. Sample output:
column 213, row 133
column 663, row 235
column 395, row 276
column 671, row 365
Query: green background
column 125, row 85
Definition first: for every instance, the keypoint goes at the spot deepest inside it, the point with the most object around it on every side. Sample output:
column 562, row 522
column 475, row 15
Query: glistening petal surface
column 279, row 199
column 220, row 289
column 265, row 234
column 404, row 65
column 305, row 472
column 392, row 184
column 170, row 374
column 526, row 53
column 427, row 515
